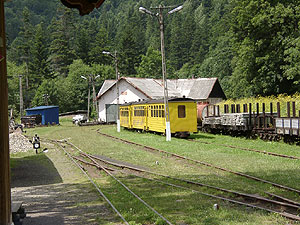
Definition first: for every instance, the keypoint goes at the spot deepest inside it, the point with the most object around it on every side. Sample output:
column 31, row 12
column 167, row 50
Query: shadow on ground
column 59, row 204
column 200, row 136
column 33, row 171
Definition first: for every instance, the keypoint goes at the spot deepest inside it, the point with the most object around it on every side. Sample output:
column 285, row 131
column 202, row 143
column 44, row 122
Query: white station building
column 138, row 89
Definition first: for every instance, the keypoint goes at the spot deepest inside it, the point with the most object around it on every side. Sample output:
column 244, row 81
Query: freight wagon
column 247, row 122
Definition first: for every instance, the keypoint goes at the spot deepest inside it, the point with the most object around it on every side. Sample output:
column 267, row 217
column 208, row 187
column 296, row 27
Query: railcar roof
column 157, row 101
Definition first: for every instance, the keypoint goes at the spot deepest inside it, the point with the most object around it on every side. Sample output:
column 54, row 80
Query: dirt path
column 55, row 192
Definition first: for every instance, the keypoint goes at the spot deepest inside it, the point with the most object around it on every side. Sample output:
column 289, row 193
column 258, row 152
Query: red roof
column 84, row 6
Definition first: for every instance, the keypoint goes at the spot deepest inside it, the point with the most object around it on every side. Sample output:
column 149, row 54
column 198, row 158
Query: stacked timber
column 232, row 119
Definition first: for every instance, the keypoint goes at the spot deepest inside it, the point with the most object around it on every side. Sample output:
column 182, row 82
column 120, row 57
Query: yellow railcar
column 125, row 116
column 150, row 116
column 139, row 116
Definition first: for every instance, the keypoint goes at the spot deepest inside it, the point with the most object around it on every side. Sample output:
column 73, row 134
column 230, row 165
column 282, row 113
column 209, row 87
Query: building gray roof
column 105, row 86
column 198, row 89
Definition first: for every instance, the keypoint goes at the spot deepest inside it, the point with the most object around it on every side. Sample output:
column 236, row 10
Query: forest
column 251, row 46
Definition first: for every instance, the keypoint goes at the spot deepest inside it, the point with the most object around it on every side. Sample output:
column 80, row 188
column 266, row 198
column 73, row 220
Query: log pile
column 233, row 119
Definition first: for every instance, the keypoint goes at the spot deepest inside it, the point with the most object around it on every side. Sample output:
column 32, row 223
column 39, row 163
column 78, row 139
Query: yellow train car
column 139, row 116
column 150, row 116
column 125, row 116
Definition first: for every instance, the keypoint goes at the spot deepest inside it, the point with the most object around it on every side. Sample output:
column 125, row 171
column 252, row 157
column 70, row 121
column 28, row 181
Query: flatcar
column 149, row 115
column 259, row 123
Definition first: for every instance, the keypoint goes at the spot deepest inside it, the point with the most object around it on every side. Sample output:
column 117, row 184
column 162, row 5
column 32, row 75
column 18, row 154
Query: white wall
column 127, row 94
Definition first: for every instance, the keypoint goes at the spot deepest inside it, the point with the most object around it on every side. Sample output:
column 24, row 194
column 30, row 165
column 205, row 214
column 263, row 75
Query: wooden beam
column 5, row 194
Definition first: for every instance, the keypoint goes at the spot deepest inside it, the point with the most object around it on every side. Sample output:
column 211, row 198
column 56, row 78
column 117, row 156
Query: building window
column 181, row 111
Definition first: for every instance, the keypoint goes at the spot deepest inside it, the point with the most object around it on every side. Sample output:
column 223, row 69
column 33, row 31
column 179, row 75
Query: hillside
column 251, row 46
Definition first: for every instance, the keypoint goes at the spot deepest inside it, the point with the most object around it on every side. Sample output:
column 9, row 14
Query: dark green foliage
column 128, row 57
column 252, row 46
column 62, row 51
column 150, row 65
column 39, row 65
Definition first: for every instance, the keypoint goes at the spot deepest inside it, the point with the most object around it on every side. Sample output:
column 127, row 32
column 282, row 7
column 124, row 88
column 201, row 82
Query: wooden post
column 238, row 108
column 288, row 109
column 5, row 195
column 250, row 108
column 245, row 108
column 264, row 114
column 294, row 109
column 271, row 108
column 278, row 110
column 232, row 108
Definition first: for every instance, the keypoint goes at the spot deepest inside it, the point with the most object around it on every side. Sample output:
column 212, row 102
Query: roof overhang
column 84, row 6
column 123, row 78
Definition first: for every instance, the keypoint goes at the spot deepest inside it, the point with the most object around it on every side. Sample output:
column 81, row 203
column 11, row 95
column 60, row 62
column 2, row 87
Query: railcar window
column 160, row 111
column 139, row 111
column 124, row 113
column 181, row 111
column 156, row 111
column 151, row 111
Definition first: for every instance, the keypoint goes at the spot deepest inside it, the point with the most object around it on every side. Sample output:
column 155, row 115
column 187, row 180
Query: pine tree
column 39, row 65
column 99, row 45
column 129, row 53
column 62, row 45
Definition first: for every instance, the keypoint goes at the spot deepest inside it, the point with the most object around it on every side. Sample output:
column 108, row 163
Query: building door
column 111, row 113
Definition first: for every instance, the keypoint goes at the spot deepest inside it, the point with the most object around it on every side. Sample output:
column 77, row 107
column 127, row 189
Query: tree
column 72, row 90
column 263, row 30
column 48, row 87
column 129, row 53
column 98, row 46
column 39, row 65
column 150, row 66
column 62, row 47
column 13, row 72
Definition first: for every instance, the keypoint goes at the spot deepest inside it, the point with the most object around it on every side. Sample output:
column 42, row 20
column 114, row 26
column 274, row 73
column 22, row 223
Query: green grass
column 178, row 205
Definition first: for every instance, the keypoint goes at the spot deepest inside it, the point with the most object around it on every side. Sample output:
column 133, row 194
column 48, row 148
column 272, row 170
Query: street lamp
column 115, row 56
column 160, row 18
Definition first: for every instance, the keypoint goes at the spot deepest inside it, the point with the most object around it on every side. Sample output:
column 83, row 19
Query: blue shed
column 50, row 114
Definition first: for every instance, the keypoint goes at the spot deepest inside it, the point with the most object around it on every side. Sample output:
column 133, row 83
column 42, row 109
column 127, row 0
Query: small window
column 181, row 111
column 160, row 111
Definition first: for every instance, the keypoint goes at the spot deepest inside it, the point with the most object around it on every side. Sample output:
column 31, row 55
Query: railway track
column 203, row 163
column 95, row 163
column 247, row 149
column 92, row 182
column 107, row 171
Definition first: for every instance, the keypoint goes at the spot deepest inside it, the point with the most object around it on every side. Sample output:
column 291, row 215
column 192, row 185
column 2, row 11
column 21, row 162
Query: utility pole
column 46, row 97
column 160, row 18
column 115, row 56
column 21, row 95
column 91, row 81
column 89, row 97
column 5, row 193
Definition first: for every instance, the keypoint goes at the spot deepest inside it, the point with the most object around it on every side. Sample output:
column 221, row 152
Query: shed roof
column 42, row 107
column 200, row 88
